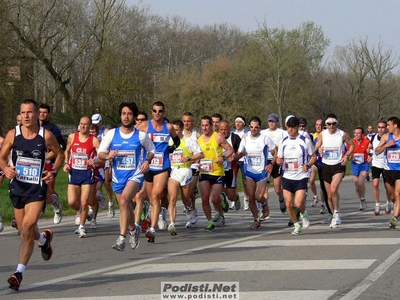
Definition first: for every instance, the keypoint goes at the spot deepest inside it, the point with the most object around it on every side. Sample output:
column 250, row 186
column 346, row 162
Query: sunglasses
column 160, row 111
column 142, row 120
column 331, row 124
column 254, row 127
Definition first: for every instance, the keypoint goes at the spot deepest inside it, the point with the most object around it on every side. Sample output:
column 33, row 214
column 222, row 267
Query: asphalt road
column 359, row 259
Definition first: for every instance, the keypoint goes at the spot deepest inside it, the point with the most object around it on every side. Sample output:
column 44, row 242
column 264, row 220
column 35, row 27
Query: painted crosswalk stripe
column 276, row 265
column 316, row 242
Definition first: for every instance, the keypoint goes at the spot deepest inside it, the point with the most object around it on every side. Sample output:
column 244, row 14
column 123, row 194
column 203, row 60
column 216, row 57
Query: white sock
column 21, row 268
column 42, row 239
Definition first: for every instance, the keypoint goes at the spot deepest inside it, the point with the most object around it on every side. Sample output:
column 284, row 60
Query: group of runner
column 149, row 159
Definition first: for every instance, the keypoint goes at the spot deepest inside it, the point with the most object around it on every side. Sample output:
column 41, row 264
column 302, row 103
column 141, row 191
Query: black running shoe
column 15, row 281
column 47, row 250
column 282, row 206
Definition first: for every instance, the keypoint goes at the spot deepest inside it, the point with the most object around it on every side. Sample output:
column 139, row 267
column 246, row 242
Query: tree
column 67, row 37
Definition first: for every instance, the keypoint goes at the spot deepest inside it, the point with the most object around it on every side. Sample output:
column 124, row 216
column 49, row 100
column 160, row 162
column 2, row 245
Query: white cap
column 96, row 118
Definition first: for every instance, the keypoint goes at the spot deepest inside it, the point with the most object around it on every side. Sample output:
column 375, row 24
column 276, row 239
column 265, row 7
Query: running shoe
column 315, row 201
column 363, row 205
column 162, row 218
column 246, row 204
column 145, row 210
column 323, row 209
column 14, row 224
column 210, row 227
column 93, row 224
column 1, row 223
column 82, row 232
column 264, row 214
column 368, row 178
column 134, row 237
column 119, row 244
column 90, row 215
column 15, row 281
column 338, row 218
column 78, row 217
column 297, row 229
column 220, row 221
column 47, row 250
column 304, row 220
column 151, row 235
column 172, row 229
column 377, row 210
column 393, row 223
column 237, row 203
column 282, row 206
column 256, row 224
column 145, row 225
column 329, row 219
column 103, row 201
column 232, row 205
column 388, row 208
column 290, row 223
column 57, row 209
column 224, row 203
column 111, row 211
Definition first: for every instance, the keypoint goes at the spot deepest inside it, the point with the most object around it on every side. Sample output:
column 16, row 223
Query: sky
column 342, row 21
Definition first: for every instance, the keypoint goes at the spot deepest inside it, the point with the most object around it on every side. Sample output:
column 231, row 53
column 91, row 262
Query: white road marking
column 316, row 242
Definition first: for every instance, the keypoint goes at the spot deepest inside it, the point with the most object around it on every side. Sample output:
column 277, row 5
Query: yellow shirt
column 212, row 151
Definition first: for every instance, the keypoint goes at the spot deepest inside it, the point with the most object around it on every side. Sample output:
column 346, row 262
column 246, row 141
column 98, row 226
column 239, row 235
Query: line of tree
column 89, row 55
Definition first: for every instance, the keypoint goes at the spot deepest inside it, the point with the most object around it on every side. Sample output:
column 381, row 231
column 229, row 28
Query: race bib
column 292, row 165
column 206, row 165
column 126, row 160
column 28, row 169
column 358, row 158
column 254, row 159
column 332, row 153
column 158, row 161
column 79, row 161
column 393, row 156
column 176, row 157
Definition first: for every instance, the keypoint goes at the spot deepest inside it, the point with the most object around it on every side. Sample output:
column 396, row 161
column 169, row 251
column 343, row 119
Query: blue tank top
column 392, row 155
column 128, row 161
column 160, row 139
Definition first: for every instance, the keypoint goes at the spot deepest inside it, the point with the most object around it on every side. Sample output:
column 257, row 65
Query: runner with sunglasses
column 334, row 159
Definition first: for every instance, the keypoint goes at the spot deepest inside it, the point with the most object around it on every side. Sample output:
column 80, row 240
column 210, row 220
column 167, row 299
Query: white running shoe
column 57, row 209
column 232, row 205
column 338, row 218
column 119, row 244
column 134, row 238
column 172, row 229
column 82, row 232
column 333, row 222
column 246, row 204
column 304, row 220
column 323, row 209
column 220, row 221
column 377, row 209
column 93, row 224
column 315, row 201
column 363, row 205
column 78, row 218
column 297, row 229
column 388, row 208
column 111, row 211
column 162, row 219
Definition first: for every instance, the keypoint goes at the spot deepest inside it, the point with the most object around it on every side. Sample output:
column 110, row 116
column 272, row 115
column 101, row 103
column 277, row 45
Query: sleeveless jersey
column 257, row 149
column 333, row 147
column 28, row 158
column 161, row 141
column 378, row 160
column 212, row 151
column 129, row 159
column 179, row 153
column 392, row 155
column 81, row 152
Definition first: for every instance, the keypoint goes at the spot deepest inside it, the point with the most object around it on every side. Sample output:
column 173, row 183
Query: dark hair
column 394, row 120
column 45, row 106
column 331, row 115
column 362, row 129
column 382, row 121
column 240, row 116
column 207, row 118
column 158, row 103
column 256, row 119
column 177, row 122
column 142, row 112
column 131, row 105
column 94, row 127
column 216, row 115
column 31, row 101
